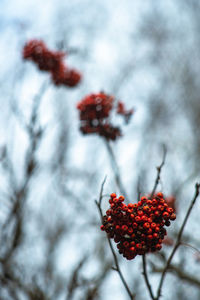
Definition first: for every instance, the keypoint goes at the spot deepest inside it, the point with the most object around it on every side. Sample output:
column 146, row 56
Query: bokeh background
column 147, row 54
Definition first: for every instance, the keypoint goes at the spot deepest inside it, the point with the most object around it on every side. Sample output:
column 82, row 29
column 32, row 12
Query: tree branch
column 116, row 170
column 178, row 241
column 159, row 169
column 180, row 273
column 146, row 277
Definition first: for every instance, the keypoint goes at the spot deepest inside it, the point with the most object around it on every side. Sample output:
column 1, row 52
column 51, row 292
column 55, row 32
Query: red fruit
column 158, row 246
column 132, row 249
column 146, row 225
column 113, row 195
column 173, row 217
column 160, row 195
column 165, row 215
column 132, row 243
column 130, row 230
column 140, row 212
column 126, row 244
column 170, row 210
column 139, row 246
column 154, row 202
column 124, row 227
column 153, row 225
column 137, row 219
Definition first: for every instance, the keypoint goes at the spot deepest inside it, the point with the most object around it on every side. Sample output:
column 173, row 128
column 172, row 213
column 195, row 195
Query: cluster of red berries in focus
column 121, row 110
column 51, row 61
column 137, row 228
column 95, row 110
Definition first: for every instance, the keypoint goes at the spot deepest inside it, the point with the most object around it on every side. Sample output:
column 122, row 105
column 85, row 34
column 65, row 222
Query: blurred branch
column 190, row 246
column 13, row 228
column 117, row 267
column 178, row 241
column 73, row 283
column 180, row 273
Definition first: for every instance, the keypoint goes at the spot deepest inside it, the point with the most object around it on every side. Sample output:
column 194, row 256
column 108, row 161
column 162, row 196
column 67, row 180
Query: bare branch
column 190, row 246
column 178, row 241
column 159, row 169
column 101, row 191
column 146, row 277
column 116, row 170
column 180, row 273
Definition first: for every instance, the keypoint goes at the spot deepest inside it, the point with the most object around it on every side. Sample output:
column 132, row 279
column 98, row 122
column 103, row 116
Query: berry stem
column 178, row 241
column 117, row 267
column 146, row 277
column 159, row 168
column 116, row 170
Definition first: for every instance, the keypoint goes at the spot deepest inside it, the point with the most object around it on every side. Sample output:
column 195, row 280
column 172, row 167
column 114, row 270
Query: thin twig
column 116, row 170
column 180, row 273
column 190, row 246
column 20, row 193
column 146, row 277
column 37, row 101
column 178, row 241
column 159, row 168
column 101, row 191
column 117, row 267
column 138, row 190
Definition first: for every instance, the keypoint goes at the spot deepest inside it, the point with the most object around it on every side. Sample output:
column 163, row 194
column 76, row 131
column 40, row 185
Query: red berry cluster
column 137, row 228
column 51, row 61
column 124, row 112
column 95, row 110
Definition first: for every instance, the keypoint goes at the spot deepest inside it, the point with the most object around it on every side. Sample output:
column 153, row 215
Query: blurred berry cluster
column 51, row 61
column 95, row 110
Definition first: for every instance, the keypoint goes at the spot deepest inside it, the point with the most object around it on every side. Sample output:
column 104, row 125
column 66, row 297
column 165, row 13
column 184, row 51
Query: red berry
column 172, row 217
column 160, row 195
column 113, row 195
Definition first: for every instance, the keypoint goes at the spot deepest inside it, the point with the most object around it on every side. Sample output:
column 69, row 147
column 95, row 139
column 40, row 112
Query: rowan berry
column 113, row 195
column 173, row 216
column 165, row 215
